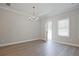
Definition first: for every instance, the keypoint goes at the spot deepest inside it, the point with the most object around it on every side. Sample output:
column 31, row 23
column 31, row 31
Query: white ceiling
column 41, row 8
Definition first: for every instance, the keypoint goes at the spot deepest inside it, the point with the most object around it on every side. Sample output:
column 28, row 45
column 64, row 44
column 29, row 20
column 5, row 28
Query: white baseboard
column 12, row 43
column 66, row 43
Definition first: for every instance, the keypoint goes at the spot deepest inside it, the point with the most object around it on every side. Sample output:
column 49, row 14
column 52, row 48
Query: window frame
column 67, row 35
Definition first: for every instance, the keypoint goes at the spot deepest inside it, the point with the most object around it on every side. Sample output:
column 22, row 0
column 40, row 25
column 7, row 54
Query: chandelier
column 34, row 17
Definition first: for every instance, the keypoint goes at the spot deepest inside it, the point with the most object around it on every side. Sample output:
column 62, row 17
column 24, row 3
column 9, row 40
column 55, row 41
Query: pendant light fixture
column 34, row 17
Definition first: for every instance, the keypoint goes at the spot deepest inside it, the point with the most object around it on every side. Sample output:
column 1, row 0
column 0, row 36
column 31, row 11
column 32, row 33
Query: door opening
column 49, row 31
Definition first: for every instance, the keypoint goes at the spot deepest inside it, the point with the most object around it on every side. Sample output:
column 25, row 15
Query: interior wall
column 73, row 15
column 73, row 18
column 15, row 27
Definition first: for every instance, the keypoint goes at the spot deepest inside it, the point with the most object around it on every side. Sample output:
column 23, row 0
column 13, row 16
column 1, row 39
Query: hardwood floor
column 39, row 48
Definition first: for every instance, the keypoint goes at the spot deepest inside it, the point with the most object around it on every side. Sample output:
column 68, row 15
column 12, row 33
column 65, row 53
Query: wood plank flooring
column 39, row 48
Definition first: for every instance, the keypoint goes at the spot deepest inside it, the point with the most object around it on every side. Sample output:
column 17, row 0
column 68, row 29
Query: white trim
column 12, row 43
column 14, row 11
column 44, row 39
column 66, row 43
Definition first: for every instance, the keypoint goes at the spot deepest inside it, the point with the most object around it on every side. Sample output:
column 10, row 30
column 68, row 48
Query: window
column 63, row 27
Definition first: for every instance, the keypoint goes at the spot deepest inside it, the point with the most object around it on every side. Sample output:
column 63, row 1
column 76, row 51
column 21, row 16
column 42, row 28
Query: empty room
column 39, row 29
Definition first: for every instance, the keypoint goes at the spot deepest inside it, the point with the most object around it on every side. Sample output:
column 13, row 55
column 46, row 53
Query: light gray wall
column 15, row 27
column 72, row 15
column 74, row 26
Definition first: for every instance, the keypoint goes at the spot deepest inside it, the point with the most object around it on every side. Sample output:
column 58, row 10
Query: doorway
column 49, row 31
